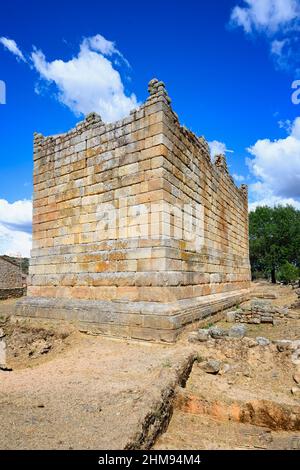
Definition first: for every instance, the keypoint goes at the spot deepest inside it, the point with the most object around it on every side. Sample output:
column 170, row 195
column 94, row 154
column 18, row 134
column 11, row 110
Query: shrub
column 288, row 273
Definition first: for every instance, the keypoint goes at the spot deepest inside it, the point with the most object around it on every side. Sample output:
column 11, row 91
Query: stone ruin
column 136, row 232
column 259, row 311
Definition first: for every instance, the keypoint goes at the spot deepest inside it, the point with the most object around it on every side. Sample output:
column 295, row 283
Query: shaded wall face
column 135, row 211
column 220, row 262
column 10, row 275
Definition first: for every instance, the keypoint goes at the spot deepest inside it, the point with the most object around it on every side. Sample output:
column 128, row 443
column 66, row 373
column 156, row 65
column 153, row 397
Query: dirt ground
column 209, row 412
column 97, row 394
column 69, row 390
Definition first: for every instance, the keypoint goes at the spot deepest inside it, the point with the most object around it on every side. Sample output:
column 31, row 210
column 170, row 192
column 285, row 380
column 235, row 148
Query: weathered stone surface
column 203, row 335
column 143, row 320
column 230, row 316
column 266, row 319
column 217, row 332
column 193, row 337
column 225, row 368
column 237, row 331
column 261, row 341
column 254, row 321
column 261, row 311
column 261, row 305
column 212, row 366
column 249, row 342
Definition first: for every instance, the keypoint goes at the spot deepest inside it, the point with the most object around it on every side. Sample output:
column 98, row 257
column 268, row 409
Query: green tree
column 288, row 273
column 25, row 265
column 274, row 237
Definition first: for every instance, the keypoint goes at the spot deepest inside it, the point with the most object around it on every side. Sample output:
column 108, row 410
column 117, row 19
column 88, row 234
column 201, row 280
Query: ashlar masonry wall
column 134, row 228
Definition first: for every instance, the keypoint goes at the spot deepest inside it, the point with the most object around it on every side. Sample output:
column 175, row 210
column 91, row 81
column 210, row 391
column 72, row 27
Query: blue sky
column 228, row 66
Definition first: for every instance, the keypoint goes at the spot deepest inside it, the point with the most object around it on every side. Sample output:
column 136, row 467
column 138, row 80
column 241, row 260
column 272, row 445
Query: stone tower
column 136, row 232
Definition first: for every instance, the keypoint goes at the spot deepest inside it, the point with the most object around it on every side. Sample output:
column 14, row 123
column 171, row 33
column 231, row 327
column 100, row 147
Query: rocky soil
column 244, row 389
column 227, row 386
column 69, row 390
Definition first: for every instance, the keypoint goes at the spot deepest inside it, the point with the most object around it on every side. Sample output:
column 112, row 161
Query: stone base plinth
column 150, row 321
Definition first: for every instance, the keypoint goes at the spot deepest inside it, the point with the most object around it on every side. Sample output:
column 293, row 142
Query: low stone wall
column 259, row 311
column 12, row 293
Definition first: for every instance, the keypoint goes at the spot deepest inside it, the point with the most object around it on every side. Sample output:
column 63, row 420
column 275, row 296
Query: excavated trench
column 24, row 344
column 175, row 398
column 199, row 405
column 157, row 420
column 264, row 413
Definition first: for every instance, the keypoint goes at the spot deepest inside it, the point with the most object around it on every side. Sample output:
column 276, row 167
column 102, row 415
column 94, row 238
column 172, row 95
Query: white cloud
column 278, row 21
column 11, row 45
column 267, row 16
column 18, row 213
column 238, row 178
column 15, row 227
column 276, row 165
column 278, row 46
column 268, row 199
column 218, row 148
column 14, row 242
column 100, row 44
column 89, row 81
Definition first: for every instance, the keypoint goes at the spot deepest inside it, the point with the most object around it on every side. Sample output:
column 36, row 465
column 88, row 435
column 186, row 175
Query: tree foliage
column 288, row 273
column 274, row 237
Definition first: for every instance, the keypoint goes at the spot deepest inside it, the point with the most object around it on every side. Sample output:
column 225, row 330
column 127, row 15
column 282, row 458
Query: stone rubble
column 230, row 317
column 224, row 339
column 215, row 332
column 238, row 331
column 296, row 304
column 259, row 311
column 212, row 366
column 261, row 341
